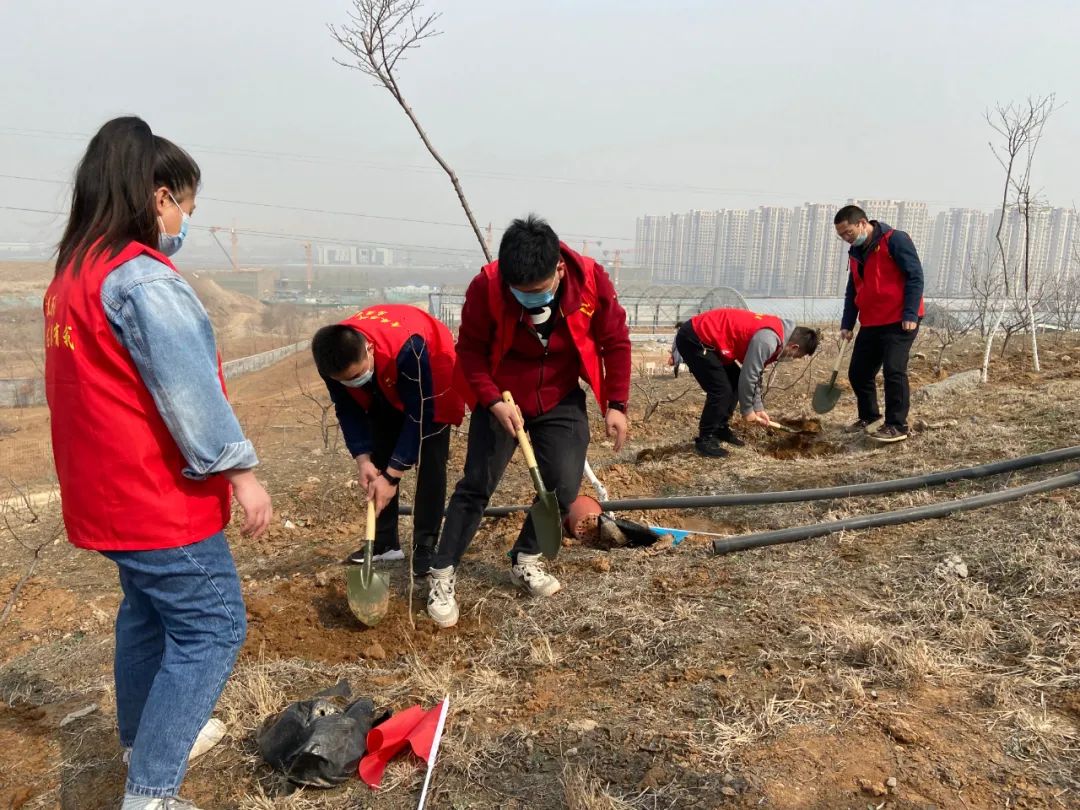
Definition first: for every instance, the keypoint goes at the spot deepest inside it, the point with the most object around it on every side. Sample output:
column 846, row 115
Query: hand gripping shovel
column 369, row 592
column 547, row 521
column 826, row 395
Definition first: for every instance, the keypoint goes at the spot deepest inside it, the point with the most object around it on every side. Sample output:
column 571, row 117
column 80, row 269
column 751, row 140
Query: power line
column 477, row 173
column 328, row 211
column 334, row 240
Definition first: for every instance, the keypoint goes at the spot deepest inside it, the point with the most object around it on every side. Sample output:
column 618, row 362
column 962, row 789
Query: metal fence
column 647, row 307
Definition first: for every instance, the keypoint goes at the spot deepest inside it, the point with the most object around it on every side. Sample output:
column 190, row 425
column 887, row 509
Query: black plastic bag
column 319, row 742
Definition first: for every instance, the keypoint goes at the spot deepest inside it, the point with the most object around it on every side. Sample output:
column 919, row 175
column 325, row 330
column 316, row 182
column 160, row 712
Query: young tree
column 1020, row 128
column 378, row 35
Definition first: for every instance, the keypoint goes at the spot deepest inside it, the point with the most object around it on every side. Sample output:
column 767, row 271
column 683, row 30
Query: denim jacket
column 156, row 316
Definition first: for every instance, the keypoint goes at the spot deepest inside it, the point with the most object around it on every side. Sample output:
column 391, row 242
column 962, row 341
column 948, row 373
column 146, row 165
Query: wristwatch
column 617, row 406
column 392, row 479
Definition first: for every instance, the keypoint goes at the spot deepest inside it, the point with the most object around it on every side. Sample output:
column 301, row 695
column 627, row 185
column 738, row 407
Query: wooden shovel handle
column 369, row 529
column 778, row 426
column 522, row 436
column 840, row 354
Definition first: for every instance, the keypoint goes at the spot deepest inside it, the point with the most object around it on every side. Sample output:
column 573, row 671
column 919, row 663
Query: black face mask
column 318, row 742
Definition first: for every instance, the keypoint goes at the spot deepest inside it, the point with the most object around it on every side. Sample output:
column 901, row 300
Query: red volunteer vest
column 579, row 322
column 119, row 468
column 729, row 331
column 387, row 328
column 879, row 291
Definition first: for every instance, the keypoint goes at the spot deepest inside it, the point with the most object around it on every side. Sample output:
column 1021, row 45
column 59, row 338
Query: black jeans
column 719, row 380
column 560, row 439
column 878, row 347
column 386, row 422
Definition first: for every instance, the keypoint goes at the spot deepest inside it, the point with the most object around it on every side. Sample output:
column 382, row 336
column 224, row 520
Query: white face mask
column 169, row 244
column 361, row 381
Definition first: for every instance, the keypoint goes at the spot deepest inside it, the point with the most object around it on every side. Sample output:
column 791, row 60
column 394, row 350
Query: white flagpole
column 434, row 750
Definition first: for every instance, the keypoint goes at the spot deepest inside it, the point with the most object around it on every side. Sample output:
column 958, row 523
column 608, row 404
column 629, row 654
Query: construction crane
column 233, row 260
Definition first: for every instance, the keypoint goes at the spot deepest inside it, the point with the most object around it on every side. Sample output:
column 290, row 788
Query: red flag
column 415, row 727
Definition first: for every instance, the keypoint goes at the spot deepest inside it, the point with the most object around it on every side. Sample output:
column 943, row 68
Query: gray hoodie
column 763, row 345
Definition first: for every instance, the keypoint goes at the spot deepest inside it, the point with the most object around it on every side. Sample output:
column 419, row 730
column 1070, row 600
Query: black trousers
column 876, row 348
column 386, row 422
column 560, row 439
column 719, row 380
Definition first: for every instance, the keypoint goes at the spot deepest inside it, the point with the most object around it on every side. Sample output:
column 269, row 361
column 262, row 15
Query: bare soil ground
column 852, row 671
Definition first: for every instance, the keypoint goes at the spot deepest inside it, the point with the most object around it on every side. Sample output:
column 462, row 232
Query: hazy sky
column 590, row 112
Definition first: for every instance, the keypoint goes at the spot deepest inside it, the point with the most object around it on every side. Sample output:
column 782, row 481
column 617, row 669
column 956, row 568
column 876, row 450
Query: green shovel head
column 826, row 395
column 368, row 592
column 547, row 521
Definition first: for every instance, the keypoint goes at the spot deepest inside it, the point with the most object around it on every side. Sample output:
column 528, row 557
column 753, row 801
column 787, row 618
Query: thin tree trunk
column 990, row 342
column 1027, row 282
column 446, row 168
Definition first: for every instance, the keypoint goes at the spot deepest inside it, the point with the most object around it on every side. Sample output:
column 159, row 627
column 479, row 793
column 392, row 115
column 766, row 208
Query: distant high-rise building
column 795, row 251
column 678, row 249
column 817, row 259
column 957, row 248
column 732, row 243
column 768, row 251
column 1063, row 243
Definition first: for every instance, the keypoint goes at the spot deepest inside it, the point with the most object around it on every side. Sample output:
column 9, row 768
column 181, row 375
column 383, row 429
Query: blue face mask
column 361, row 381
column 169, row 244
column 859, row 240
column 535, row 300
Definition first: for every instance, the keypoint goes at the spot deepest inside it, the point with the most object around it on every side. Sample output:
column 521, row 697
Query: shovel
column 826, row 395
column 369, row 592
column 784, row 428
column 546, row 518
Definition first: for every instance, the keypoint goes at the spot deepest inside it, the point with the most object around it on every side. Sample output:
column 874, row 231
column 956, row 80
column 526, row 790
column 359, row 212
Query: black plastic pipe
column 818, row 494
column 742, row 542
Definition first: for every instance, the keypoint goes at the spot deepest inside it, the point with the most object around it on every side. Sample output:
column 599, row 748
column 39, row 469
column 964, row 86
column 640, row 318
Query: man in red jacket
column 727, row 350
column 534, row 323
column 885, row 292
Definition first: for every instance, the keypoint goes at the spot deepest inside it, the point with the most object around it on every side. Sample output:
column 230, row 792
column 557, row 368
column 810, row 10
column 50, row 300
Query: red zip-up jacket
column 538, row 377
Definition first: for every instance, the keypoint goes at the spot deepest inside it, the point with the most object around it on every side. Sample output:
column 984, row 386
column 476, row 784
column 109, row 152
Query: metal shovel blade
column 545, row 514
column 368, row 591
column 826, row 395
column 547, row 521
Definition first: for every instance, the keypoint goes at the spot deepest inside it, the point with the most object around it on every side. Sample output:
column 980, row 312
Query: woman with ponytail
column 148, row 451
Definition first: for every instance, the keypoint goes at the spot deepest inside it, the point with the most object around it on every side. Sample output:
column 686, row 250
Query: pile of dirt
column 223, row 305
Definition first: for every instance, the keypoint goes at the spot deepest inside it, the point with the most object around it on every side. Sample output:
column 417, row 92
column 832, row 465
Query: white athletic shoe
column 529, row 574
column 442, row 603
column 393, row 555
column 148, row 803
column 209, row 736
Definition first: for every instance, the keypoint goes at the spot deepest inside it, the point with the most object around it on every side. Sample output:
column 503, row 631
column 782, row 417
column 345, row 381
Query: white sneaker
column 528, row 573
column 209, row 736
column 441, row 603
column 148, row 803
column 393, row 555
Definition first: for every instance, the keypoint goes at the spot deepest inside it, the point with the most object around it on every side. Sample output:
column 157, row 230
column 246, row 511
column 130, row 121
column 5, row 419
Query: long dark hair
column 113, row 201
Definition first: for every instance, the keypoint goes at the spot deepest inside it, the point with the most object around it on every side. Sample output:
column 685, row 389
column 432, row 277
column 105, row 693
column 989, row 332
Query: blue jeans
column 178, row 632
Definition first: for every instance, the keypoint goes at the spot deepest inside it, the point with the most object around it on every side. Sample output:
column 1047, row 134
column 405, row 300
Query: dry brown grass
column 693, row 666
